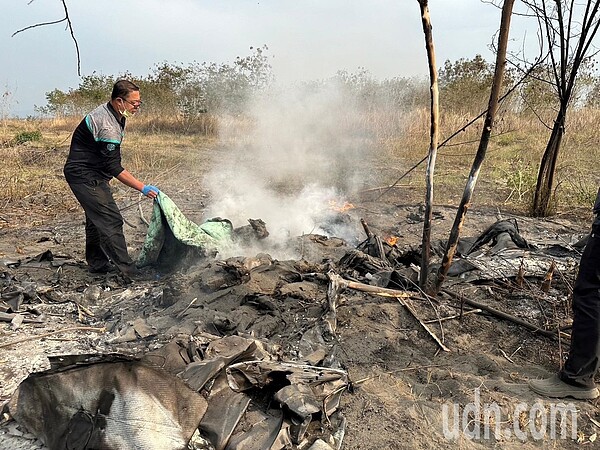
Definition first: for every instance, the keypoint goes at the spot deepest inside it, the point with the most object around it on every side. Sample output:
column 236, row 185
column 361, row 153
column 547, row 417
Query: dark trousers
column 104, row 239
column 584, row 353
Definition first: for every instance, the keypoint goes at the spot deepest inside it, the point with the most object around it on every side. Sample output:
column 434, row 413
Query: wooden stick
column 64, row 330
column 366, row 228
column 352, row 384
column 391, row 186
column 455, row 316
column 402, row 297
column 186, row 308
column 128, row 222
column 506, row 316
column 384, row 292
column 425, row 327
column 506, row 356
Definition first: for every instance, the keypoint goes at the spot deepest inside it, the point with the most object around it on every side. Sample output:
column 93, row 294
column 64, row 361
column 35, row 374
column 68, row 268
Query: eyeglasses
column 135, row 104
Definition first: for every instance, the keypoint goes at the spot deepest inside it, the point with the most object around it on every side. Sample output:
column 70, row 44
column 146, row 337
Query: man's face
column 131, row 102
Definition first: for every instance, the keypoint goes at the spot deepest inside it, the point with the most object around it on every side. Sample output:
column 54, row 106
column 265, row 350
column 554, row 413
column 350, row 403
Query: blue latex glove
column 149, row 188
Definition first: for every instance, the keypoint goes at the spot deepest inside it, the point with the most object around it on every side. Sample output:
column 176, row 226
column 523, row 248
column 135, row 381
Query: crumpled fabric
column 169, row 226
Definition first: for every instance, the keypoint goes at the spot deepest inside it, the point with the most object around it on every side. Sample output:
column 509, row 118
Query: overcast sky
column 307, row 39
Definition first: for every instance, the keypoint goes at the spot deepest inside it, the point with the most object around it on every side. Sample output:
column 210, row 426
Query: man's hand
column 150, row 191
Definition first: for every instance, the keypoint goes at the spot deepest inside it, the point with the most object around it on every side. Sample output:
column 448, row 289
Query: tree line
column 210, row 88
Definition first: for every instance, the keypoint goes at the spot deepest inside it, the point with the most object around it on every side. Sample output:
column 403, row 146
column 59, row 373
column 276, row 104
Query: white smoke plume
column 301, row 156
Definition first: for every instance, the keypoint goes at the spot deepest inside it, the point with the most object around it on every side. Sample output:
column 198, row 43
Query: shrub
column 27, row 136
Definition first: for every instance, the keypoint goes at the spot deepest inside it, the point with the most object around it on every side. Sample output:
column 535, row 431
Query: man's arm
column 128, row 179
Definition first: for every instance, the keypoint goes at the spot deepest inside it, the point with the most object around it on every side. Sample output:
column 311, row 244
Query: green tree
column 465, row 84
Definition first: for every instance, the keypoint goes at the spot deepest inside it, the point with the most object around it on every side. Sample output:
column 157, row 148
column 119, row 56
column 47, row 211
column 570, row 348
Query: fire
column 333, row 204
column 392, row 240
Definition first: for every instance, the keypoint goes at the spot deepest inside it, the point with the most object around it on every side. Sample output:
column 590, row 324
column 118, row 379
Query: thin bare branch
column 38, row 25
column 73, row 37
column 69, row 26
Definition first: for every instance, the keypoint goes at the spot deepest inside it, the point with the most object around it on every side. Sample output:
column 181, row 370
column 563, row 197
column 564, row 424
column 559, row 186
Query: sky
column 307, row 39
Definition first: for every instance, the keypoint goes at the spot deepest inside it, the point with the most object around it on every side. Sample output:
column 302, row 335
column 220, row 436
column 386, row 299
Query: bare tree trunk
column 545, row 179
column 569, row 28
column 481, row 151
column 433, row 144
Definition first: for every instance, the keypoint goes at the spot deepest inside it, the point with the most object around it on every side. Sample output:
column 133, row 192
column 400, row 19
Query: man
column 94, row 159
column 576, row 379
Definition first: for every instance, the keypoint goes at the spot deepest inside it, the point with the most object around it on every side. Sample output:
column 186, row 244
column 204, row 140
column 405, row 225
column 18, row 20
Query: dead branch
column 366, row 228
column 411, row 310
column 69, row 26
column 381, row 188
column 128, row 222
column 454, row 316
column 384, row 292
column 507, row 316
column 337, row 282
column 353, row 384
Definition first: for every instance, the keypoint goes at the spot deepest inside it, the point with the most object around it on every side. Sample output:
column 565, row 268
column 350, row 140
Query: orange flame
column 340, row 208
column 392, row 240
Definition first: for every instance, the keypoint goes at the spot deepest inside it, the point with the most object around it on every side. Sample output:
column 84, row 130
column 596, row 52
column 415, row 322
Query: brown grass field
column 31, row 177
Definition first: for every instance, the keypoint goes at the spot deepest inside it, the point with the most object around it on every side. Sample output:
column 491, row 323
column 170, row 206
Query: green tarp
column 171, row 235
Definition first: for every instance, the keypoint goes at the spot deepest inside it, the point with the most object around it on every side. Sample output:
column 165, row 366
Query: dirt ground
column 405, row 388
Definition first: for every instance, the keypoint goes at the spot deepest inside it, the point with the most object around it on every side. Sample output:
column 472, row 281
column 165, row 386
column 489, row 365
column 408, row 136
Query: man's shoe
column 557, row 388
column 134, row 274
column 108, row 268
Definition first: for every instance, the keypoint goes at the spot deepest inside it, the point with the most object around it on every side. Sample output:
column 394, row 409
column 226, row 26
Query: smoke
column 302, row 153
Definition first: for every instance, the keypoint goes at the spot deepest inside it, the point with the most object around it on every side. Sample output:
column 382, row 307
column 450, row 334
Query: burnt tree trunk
column 545, row 179
column 481, row 151
column 569, row 29
column 433, row 144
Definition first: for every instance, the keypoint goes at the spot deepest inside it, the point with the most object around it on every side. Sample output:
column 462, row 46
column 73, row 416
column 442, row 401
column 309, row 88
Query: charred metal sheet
column 262, row 434
column 225, row 409
column 113, row 406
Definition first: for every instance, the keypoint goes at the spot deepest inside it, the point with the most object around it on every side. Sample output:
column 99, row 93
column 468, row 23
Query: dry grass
column 31, row 175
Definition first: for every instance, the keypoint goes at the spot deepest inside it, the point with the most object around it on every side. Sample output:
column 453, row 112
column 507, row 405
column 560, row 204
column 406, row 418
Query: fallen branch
column 391, row 186
column 507, row 316
column 128, row 222
column 180, row 315
column 353, row 384
column 425, row 327
column 384, row 292
column 402, row 297
column 506, row 356
column 51, row 333
column 455, row 316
